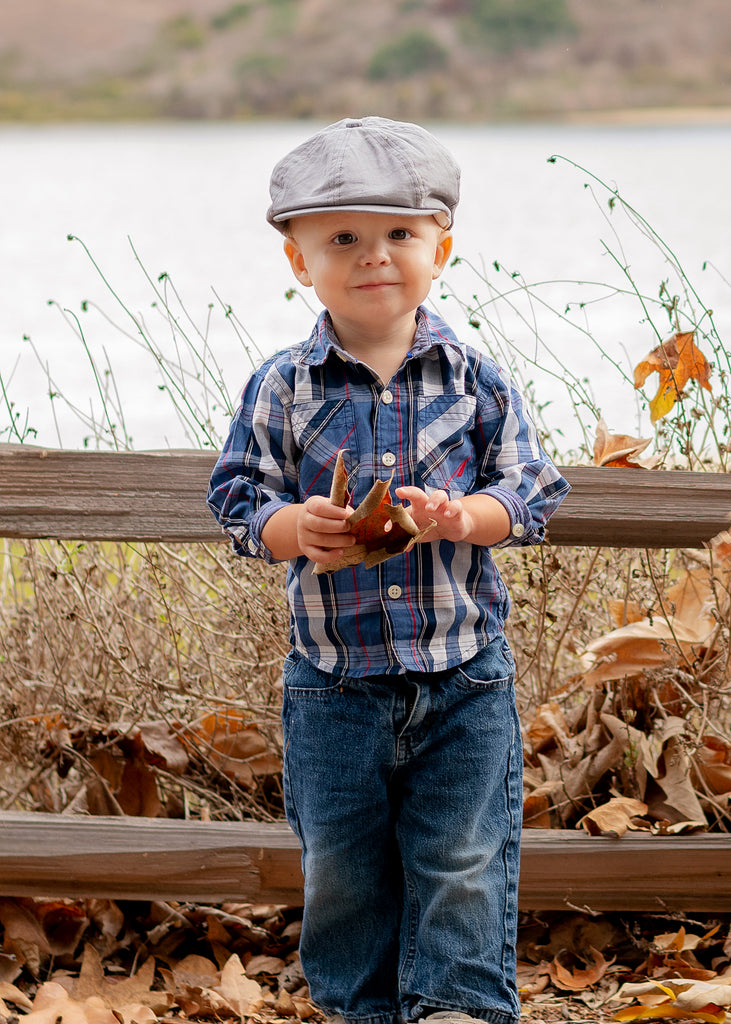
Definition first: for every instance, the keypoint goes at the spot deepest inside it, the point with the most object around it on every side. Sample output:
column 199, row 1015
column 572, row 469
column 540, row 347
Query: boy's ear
column 297, row 261
column 442, row 254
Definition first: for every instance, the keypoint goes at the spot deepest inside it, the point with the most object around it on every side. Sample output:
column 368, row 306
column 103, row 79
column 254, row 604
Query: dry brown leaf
column 138, row 794
column 532, row 978
column 618, row 450
column 163, row 747
column 22, row 926
column 579, row 978
column 195, row 971
column 537, row 810
column 53, row 1003
column 234, row 744
column 624, row 612
column 720, row 546
column 614, row 817
column 239, row 991
column 381, row 529
column 713, row 760
column 682, row 941
column 547, row 726
column 118, row 993
column 63, row 922
column 651, row 643
column 12, row 994
column 677, row 800
column 304, row 1008
column 284, row 1004
column 676, row 997
column 264, row 965
column 668, row 1011
column 677, row 361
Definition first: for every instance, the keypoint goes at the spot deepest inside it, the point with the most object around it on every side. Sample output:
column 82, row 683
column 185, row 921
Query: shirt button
column 387, row 397
column 389, row 459
column 394, row 591
column 253, row 547
column 518, row 530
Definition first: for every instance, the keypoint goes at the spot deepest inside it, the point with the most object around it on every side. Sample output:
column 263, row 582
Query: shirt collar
column 431, row 333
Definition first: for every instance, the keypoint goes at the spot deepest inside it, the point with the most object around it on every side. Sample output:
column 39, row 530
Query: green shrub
column 230, row 16
column 507, row 25
column 407, row 55
column 184, row 33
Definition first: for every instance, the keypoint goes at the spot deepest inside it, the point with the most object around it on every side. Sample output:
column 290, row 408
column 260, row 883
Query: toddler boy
column 402, row 754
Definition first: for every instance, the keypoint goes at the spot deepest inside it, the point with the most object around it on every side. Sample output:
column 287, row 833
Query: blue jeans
column 405, row 792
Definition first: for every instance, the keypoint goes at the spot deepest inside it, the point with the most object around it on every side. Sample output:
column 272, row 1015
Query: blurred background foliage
column 452, row 59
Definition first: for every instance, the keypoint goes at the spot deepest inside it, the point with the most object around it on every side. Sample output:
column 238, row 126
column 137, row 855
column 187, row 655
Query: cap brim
column 442, row 217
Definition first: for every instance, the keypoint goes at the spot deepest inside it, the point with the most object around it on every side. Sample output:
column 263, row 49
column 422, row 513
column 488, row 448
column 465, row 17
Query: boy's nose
column 375, row 255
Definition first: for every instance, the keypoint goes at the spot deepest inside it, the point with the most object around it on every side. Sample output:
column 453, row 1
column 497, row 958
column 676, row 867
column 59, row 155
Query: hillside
column 457, row 59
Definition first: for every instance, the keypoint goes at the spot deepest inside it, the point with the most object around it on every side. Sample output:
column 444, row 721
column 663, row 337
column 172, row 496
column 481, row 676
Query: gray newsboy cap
column 370, row 164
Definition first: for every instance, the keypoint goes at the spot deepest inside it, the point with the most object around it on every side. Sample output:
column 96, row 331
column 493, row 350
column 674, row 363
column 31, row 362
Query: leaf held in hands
column 677, row 361
column 381, row 529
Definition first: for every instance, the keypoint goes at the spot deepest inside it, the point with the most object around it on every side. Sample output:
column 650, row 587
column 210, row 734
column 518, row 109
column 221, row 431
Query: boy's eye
column 399, row 234
column 344, row 238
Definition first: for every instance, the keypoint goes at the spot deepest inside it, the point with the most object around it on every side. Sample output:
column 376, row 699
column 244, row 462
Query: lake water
column 191, row 198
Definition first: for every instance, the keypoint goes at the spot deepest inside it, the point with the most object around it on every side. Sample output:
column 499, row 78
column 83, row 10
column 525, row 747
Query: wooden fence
column 160, row 496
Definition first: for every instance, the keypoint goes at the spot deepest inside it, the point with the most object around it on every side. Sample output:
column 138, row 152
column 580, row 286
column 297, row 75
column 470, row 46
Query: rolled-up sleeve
column 255, row 474
column 514, row 468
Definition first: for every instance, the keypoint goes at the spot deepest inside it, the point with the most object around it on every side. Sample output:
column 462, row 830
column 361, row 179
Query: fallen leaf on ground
column 713, row 760
column 614, row 817
column 579, row 978
column 11, row 993
column 239, row 991
column 53, row 1003
column 234, row 744
column 676, row 997
column 120, row 994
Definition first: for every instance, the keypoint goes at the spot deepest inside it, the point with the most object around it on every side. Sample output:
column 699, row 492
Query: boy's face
column 367, row 267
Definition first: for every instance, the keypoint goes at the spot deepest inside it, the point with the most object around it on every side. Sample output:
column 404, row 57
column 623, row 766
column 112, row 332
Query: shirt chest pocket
column 320, row 430
column 444, row 443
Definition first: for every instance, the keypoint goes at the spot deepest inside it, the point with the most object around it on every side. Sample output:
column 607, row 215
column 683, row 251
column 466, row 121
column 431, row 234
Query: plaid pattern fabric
column 449, row 419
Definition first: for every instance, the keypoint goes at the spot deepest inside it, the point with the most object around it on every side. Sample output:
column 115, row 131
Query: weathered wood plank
column 144, row 858
column 154, row 496
column 134, row 858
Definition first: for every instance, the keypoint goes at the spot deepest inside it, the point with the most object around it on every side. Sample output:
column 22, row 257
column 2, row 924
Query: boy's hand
column 322, row 529
column 476, row 518
column 452, row 521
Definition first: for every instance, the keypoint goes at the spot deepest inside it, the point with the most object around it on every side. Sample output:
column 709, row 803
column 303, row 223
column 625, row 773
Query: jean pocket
column 492, row 669
column 302, row 679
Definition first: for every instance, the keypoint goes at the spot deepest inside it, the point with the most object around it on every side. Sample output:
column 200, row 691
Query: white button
column 518, row 530
column 387, row 397
column 394, row 591
column 389, row 459
column 253, row 547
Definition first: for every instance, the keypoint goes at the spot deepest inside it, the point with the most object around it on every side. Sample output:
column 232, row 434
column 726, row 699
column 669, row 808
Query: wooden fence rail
column 160, row 496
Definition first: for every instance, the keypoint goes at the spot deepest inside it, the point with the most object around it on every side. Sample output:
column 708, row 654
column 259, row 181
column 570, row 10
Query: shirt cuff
column 523, row 527
column 247, row 536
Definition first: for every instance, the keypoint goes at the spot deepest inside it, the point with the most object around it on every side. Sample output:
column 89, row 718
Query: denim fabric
column 405, row 792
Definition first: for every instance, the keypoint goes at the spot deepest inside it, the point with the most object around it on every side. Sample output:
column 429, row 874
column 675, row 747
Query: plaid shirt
column 449, row 419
